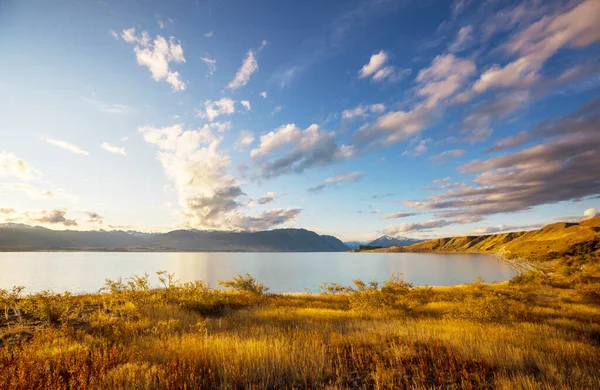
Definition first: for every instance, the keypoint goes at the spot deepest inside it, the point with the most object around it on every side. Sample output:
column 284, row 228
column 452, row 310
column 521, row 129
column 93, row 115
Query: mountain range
column 17, row 237
column 383, row 242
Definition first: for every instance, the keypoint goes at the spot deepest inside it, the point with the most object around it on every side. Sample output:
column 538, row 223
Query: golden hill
column 551, row 241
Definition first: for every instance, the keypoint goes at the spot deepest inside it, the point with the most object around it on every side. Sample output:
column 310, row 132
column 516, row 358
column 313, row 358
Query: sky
column 353, row 118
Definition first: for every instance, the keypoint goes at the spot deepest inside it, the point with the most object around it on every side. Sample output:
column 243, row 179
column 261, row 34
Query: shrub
column 244, row 283
column 50, row 307
column 392, row 295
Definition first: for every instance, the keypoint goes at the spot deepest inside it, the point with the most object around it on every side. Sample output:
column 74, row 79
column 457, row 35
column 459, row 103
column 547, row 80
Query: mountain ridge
column 548, row 243
column 27, row 238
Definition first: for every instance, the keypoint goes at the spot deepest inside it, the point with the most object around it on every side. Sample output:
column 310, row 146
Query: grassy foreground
column 538, row 331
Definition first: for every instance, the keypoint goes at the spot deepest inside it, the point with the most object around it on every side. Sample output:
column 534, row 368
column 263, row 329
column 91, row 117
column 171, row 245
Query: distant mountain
column 278, row 240
column 388, row 241
column 23, row 237
column 27, row 238
column 354, row 244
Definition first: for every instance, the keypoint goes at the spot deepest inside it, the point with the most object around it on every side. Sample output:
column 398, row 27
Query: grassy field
column 540, row 330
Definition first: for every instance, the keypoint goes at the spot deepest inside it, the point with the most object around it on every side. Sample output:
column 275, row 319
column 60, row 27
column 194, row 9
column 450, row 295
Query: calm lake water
column 281, row 272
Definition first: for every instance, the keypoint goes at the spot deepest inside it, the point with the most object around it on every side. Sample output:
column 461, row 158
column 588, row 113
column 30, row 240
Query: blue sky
column 351, row 118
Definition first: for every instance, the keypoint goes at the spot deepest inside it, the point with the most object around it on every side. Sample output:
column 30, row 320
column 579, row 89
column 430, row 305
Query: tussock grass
column 537, row 332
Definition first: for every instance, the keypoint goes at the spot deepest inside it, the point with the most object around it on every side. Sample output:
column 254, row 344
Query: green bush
column 244, row 283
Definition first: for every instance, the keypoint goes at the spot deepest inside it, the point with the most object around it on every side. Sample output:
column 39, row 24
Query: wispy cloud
column 211, row 64
column 113, row 149
column 65, row 145
column 348, row 177
column 11, row 165
column 249, row 66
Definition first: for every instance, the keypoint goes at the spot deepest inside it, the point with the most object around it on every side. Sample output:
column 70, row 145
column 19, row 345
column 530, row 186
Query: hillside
column 549, row 242
column 28, row 238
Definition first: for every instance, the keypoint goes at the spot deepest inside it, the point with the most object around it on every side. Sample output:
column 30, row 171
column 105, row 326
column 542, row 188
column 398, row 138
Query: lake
column 282, row 272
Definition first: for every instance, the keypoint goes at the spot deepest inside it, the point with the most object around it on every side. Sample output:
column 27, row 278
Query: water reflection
column 86, row 271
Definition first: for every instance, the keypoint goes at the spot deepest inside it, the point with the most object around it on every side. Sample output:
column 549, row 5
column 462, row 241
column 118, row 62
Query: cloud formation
column 403, row 214
column 244, row 140
column 563, row 166
column 448, row 153
column 338, row 179
column 52, row 217
column 211, row 65
column 209, row 195
column 13, row 166
column 157, row 55
column 289, row 149
column 113, row 149
column 213, row 109
column 267, row 198
column 249, row 66
column 575, row 27
column 378, row 70
column 361, row 111
column 504, row 228
column 246, row 105
column 65, row 145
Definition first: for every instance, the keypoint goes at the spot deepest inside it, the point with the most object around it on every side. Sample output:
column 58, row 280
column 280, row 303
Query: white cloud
column 276, row 110
column 336, row 180
column 246, row 104
column 11, row 165
column 160, row 23
column 263, row 94
column 242, row 76
column 157, row 55
column 590, row 213
column 267, row 198
column 574, row 27
column 399, row 215
column 417, row 147
column 221, row 127
column 446, row 75
column 464, row 38
column 211, row 64
column 124, row 139
column 209, row 196
column 65, row 145
column 417, row 226
column 208, row 34
column 443, row 180
column 376, row 62
column 246, row 138
column 213, row 109
column 448, row 153
column 113, row 149
column 376, row 69
column 291, row 149
column 363, row 110
column 345, row 177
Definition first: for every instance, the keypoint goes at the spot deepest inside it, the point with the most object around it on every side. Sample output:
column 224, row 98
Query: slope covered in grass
column 547, row 243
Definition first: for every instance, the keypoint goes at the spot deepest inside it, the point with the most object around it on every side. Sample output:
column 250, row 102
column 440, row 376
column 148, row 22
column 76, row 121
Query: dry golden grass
column 535, row 332
column 550, row 242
